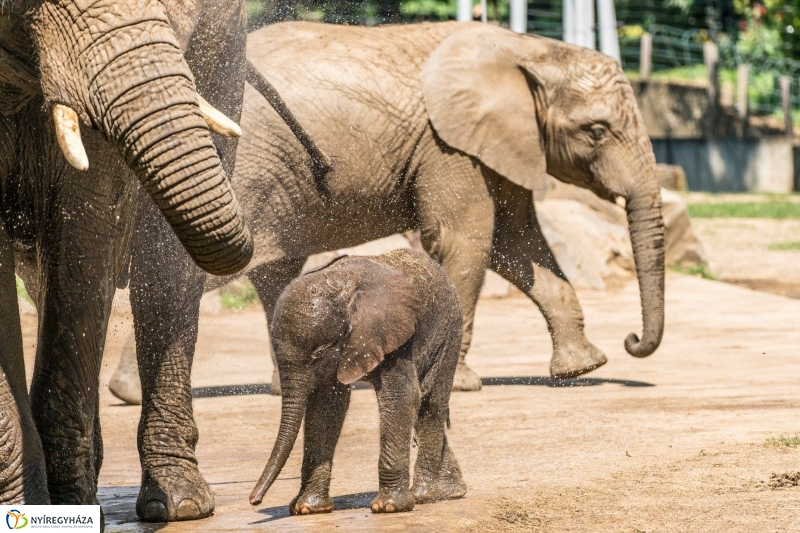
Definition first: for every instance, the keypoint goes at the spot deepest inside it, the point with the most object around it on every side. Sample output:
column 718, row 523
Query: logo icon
column 16, row 519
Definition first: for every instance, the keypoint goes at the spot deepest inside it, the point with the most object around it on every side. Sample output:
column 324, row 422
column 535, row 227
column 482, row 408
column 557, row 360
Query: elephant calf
column 394, row 321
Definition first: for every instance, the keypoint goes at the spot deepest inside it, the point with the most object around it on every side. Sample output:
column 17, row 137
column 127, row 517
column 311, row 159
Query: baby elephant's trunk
column 292, row 409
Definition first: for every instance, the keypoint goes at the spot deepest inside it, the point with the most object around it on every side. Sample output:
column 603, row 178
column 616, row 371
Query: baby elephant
column 392, row 320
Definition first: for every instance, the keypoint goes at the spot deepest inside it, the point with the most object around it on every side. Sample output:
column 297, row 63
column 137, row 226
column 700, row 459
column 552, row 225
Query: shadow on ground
column 531, row 381
column 360, row 500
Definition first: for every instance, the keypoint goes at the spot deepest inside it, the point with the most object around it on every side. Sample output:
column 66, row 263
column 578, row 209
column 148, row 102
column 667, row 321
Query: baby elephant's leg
column 437, row 475
column 324, row 418
column 398, row 402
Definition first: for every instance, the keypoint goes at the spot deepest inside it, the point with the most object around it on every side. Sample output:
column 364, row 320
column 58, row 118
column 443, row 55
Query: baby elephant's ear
column 382, row 316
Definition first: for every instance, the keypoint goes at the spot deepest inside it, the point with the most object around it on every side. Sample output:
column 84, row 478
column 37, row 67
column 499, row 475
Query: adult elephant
column 445, row 127
column 95, row 94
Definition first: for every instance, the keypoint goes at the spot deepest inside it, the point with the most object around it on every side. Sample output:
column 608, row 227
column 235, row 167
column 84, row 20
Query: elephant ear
column 480, row 102
column 382, row 316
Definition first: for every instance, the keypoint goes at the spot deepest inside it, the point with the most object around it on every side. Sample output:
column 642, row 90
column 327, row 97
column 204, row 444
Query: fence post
column 518, row 15
column 645, row 56
column 464, row 10
column 742, row 82
column 711, row 59
column 607, row 21
column 569, row 22
column 786, row 104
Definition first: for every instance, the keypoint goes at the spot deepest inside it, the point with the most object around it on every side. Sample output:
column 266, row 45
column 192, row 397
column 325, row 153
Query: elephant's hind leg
column 437, row 475
column 269, row 280
column 521, row 255
column 323, row 424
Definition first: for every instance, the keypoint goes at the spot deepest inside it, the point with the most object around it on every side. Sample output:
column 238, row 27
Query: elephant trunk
column 647, row 236
column 295, row 397
column 128, row 78
column 165, row 140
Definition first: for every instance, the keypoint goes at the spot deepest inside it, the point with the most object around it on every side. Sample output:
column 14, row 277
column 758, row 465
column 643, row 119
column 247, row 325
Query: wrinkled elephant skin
column 101, row 130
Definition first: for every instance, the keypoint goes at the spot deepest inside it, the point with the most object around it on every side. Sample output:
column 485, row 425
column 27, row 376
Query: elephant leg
column 397, row 388
column 23, row 477
column 78, row 262
column 437, row 475
column 324, row 418
column 270, row 280
column 125, row 383
column 456, row 216
column 521, row 255
column 166, row 287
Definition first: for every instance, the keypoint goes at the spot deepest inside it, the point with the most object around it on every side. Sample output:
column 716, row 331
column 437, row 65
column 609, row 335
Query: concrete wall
column 733, row 164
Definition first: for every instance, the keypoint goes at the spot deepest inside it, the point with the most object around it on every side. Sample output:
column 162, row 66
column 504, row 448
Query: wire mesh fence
column 678, row 28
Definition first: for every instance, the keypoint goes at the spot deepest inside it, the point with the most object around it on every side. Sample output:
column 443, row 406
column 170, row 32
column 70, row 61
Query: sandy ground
column 739, row 252
column 675, row 442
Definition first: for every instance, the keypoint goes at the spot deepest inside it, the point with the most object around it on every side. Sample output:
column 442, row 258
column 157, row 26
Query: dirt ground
column 674, row 442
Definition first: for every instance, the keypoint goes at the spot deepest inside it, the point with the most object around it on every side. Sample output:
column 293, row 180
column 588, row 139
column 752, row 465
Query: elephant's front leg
column 398, row 393
column 521, row 255
column 23, row 477
column 78, row 261
column 166, row 287
column 324, row 418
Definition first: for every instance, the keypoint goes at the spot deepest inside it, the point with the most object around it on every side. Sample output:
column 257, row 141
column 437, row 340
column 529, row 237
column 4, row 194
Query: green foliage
column 778, row 209
column 785, row 246
column 438, row 9
column 238, row 295
column 21, row 292
column 701, row 271
column 771, row 28
column 784, row 441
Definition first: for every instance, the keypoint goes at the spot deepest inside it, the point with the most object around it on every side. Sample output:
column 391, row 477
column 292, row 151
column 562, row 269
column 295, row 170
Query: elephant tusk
column 620, row 201
column 68, row 134
column 217, row 121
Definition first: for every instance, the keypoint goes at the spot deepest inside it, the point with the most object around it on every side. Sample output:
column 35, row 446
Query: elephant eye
column 598, row 131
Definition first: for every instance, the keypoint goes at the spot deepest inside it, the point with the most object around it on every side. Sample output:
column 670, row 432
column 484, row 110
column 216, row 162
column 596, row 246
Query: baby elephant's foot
column 575, row 358
column 310, row 504
column 427, row 491
column 393, row 502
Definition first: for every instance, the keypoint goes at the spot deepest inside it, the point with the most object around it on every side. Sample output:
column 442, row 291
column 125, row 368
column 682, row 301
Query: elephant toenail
column 376, row 508
column 390, row 508
column 187, row 509
column 155, row 511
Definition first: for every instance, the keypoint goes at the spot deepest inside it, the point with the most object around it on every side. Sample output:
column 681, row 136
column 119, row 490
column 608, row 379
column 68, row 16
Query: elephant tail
column 320, row 162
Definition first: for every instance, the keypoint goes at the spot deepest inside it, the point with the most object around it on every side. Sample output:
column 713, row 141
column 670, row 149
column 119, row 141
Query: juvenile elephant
column 93, row 95
column 392, row 320
column 447, row 127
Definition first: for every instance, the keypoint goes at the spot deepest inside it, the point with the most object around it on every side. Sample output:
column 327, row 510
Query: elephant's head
column 119, row 67
column 339, row 321
column 526, row 106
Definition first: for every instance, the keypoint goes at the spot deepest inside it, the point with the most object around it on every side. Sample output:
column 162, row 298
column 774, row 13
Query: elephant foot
column 174, row 494
column 275, row 386
column 393, row 502
column 466, row 379
column 310, row 504
column 428, row 491
column 575, row 358
column 125, row 385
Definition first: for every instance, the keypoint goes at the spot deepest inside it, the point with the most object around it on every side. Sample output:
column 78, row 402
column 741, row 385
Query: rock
column 593, row 251
column 682, row 246
column 671, row 177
